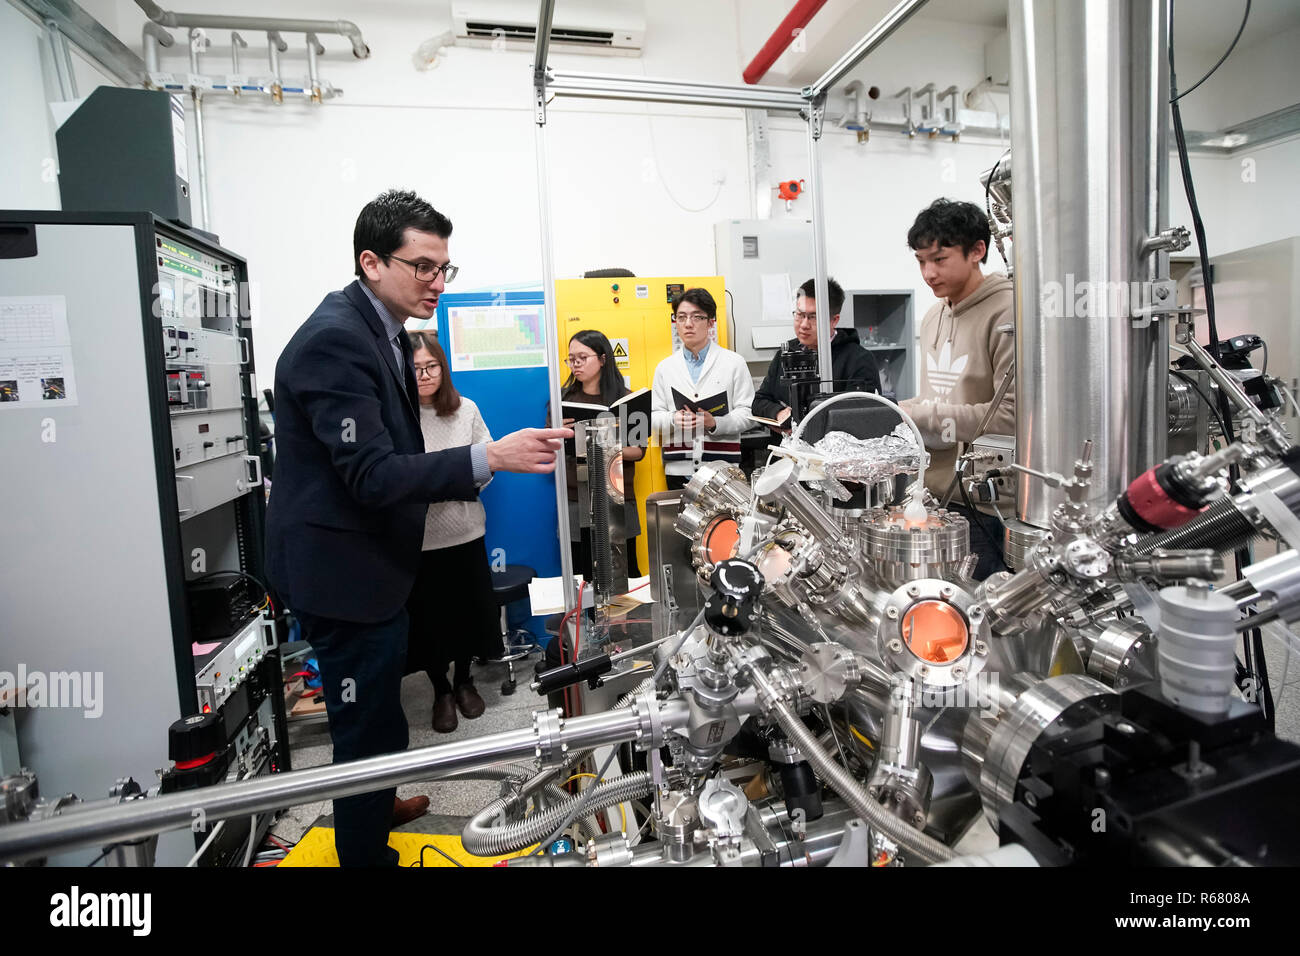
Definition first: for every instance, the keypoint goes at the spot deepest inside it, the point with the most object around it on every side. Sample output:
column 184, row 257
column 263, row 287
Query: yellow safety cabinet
column 636, row 316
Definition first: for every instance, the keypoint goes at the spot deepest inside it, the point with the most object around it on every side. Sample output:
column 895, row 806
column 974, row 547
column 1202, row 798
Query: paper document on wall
column 35, row 353
column 778, row 302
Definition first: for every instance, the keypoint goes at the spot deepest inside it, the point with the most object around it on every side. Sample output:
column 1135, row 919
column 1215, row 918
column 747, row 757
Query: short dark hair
column 382, row 224
column 834, row 292
column 699, row 298
column 950, row 223
column 446, row 400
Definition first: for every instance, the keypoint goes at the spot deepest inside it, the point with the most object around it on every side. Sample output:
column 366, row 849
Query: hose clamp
column 548, row 728
column 650, row 724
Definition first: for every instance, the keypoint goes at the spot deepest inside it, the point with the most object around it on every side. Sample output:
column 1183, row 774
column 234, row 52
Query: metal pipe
column 791, row 26
column 542, row 42
column 59, row 61
column 824, row 367
column 877, row 35
column 1087, row 98
column 236, row 41
column 909, row 125
column 314, row 50
column 65, row 50
column 90, row 36
column 657, row 90
column 275, row 45
column 151, row 38
column 345, row 28
column 198, row 41
column 553, row 355
column 99, row 825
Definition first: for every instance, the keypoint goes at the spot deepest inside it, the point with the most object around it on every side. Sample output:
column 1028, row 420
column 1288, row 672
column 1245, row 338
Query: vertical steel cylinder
column 1089, row 87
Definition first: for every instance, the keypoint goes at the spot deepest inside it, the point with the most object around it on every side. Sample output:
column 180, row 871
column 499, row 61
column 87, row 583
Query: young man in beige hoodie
column 966, row 356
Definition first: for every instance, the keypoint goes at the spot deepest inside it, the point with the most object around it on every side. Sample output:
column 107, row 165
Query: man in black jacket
column 345, row 522
column 852, row 366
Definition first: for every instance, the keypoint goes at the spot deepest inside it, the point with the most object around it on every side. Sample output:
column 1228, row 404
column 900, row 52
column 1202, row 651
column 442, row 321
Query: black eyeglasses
column 425, row 271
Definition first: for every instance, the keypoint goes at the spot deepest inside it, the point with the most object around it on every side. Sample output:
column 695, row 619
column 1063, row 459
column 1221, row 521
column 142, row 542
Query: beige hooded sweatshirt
column 965, row 358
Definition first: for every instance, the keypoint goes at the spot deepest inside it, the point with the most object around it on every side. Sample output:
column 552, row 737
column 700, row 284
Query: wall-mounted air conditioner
column 606, row 27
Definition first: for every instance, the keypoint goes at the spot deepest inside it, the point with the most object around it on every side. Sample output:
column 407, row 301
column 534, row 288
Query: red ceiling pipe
column 781, row 38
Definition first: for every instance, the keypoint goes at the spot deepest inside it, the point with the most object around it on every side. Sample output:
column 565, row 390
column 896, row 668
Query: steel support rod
column 99, row 825
column 824, row 367
column 654, row 90
column 542, row 38
column 58, row 44
column 877, row 35
column 553, row 365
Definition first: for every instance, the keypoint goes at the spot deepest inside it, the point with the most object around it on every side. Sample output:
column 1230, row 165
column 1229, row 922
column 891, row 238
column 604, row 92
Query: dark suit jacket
column 345, row 521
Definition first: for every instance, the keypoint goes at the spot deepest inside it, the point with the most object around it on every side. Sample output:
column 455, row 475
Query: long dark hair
column 611, row 380
column 446, row 399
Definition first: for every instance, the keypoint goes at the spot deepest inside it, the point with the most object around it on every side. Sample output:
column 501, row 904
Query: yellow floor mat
column 316, row 848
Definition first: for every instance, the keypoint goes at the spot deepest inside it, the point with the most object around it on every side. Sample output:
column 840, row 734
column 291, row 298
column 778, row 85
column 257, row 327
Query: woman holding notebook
column 594, row 380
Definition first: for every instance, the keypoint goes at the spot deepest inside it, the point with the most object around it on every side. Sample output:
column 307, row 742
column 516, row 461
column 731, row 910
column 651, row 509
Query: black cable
column 731, row 321
column 1244, row 17
column 430, row 846
column 1252, row 641
column 107, row 850
column 1184, row 165
column 997, row 548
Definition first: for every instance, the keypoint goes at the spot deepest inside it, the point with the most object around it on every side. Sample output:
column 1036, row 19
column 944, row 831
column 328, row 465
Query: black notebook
column 715, row 405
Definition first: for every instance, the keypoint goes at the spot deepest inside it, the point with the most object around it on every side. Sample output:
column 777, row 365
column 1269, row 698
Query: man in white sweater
column 694, row 426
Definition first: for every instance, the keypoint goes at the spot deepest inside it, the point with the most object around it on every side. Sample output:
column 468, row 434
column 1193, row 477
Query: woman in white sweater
column 453, row 616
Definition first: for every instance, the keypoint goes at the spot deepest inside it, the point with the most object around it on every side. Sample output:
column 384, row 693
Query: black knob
column 194, row 738
column 737, row 586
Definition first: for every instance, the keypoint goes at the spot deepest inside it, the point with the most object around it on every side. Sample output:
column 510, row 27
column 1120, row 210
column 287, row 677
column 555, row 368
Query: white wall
column 28, row 160
column 874, row 190
column 286, row 183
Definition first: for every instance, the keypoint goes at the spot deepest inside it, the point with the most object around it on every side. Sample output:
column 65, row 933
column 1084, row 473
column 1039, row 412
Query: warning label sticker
column 620, row 353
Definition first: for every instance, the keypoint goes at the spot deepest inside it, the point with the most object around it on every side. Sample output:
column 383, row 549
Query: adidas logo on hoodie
column 944, row 371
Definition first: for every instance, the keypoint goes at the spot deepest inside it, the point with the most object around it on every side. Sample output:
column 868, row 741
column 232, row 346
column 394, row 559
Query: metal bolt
column 1101, row 777
column 959, row 673
column 1124, row 727
column 981, row 647
column 1162, row 292
column 918, row 819
column 891, row 613
column 945, row 592
column 924, row 670
column 976, row 611
column 913, row 591
column 896, row 646
column 1030, row 799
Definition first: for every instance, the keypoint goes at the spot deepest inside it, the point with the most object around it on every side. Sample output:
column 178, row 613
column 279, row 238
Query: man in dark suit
column 345, row 521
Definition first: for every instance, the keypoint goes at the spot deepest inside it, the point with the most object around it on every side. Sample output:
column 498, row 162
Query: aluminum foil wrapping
column 868, row 460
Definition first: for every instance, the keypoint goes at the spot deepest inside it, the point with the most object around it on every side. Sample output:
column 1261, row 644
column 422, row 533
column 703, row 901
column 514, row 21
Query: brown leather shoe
column 444, row 713
column 469, row 702
column 404, row 811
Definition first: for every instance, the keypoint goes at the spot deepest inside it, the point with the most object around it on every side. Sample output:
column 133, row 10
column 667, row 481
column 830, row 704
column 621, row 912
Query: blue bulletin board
column 495, row 343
